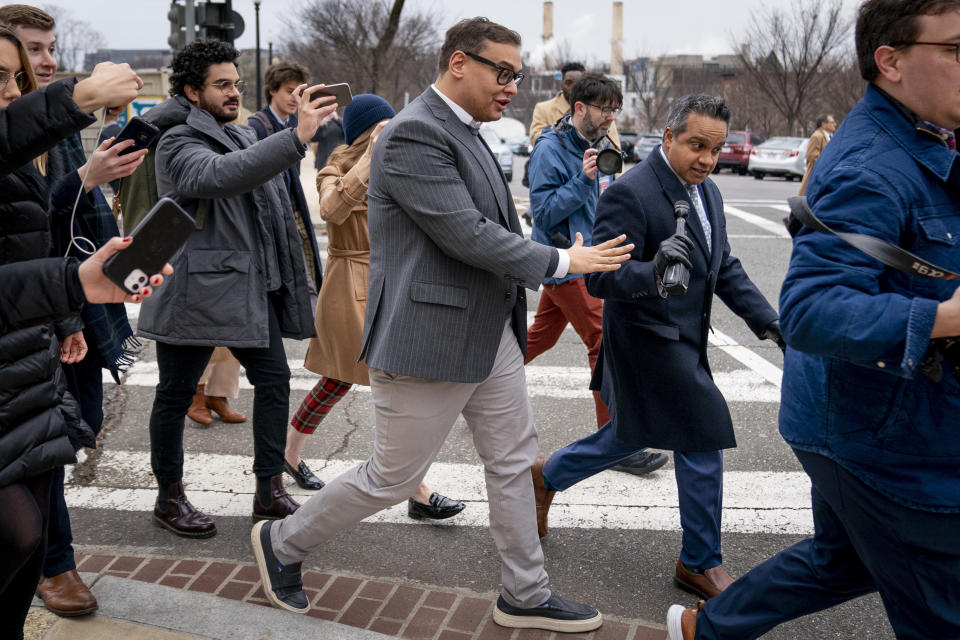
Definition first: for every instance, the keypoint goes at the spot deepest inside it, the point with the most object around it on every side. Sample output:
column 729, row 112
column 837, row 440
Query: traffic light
column 178, row 22
column 217, row 19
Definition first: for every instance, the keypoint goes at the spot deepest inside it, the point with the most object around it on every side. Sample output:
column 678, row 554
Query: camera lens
column 609, row 161
column 135, row 286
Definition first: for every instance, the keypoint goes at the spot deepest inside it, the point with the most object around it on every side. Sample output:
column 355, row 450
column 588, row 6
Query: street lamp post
column 256, row 9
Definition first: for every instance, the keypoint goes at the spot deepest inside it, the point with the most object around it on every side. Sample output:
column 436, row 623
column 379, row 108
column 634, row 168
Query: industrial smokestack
column 547, row 34
column 616, row 44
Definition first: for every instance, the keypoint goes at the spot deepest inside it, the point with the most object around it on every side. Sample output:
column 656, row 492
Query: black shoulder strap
column 889, row 254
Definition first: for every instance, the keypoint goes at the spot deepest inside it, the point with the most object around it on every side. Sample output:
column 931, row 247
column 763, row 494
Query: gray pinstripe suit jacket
column 441, row 262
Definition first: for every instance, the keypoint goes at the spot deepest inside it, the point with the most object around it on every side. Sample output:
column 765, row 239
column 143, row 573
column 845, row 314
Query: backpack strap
column 262, row 118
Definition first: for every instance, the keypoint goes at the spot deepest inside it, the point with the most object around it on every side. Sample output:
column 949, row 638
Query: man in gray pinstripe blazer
column 445, row 330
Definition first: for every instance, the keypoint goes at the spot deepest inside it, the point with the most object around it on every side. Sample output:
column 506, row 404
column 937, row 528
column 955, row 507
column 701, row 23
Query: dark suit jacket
column 655, row 372
column 447, row 255
column 291, row 178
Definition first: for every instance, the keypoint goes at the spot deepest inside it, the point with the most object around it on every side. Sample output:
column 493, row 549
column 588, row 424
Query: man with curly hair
column 241, row 277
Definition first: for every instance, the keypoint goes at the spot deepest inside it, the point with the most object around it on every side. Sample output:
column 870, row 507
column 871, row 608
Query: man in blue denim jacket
column 879, row 439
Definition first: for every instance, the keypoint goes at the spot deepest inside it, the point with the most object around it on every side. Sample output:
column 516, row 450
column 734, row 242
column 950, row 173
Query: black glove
column 676, row 248
column 772, row 332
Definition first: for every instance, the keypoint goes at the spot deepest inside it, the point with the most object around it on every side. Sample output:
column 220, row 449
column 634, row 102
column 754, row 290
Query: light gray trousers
column 413, row 418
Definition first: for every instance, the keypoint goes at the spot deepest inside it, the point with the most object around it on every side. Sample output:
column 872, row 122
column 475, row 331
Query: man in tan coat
column 826, row 125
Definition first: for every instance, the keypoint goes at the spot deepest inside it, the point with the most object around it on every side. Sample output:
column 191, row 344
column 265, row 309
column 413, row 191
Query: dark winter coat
column 36, row 413
column 248, row 244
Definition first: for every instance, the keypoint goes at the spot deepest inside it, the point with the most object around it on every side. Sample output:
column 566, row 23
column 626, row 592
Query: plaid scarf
column 107, row 324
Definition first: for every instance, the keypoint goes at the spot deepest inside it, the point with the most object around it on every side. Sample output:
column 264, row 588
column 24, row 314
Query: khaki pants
column 222, row 375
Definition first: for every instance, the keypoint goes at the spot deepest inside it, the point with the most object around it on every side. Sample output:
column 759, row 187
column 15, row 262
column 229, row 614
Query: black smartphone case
column 158, row 236
column 140, row 131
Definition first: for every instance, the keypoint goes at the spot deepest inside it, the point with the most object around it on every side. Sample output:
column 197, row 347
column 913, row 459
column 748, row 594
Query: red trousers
column 560, row 304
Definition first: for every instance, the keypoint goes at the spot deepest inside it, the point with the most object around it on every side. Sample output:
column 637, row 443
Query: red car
column 735, row 154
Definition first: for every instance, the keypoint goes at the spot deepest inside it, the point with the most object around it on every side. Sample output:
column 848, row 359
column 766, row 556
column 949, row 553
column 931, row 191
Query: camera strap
column 889, row 254
column 942, row 350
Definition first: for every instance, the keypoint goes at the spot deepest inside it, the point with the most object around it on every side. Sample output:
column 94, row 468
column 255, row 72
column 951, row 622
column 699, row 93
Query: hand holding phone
column 309, row 117
column 154, row 241
column 140, row 131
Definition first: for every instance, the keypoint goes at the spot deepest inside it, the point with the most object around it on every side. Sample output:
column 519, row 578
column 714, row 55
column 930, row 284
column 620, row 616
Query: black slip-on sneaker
column 282, row 583
column 556, row 614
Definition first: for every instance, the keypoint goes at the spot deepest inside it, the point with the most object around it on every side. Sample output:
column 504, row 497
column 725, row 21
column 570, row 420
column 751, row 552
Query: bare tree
column 653, row 92
column 794, row 50
column 369, row 43
column 75, row 38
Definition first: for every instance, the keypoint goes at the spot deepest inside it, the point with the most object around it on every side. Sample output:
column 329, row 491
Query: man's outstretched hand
column 606, row 256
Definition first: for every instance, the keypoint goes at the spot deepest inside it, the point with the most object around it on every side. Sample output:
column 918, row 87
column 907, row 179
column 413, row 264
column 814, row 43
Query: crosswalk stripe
column 741, row 385
column 222, row 485
column 775, row 228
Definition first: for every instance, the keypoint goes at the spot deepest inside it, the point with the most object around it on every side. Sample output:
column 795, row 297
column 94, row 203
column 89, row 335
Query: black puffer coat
column 36, row 413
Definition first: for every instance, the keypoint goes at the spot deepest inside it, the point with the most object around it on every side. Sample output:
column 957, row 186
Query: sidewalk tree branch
column 370, row 44
column 789, row 51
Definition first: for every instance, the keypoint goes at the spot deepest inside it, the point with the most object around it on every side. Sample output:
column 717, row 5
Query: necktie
column 694, row 194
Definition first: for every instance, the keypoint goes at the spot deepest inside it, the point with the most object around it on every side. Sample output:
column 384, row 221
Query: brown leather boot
column 198, row 408
column 220, row 406
column 175, row 513
column 281, row 504
column 66, row 595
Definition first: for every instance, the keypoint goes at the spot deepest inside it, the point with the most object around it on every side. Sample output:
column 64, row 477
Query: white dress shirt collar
column 458, row 111
column 276, row 115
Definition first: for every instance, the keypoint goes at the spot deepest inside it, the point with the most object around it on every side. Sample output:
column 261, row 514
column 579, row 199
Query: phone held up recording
column 158, row 236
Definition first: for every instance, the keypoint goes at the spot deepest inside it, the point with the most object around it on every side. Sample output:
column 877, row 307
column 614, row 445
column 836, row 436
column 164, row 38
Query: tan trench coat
column 343, row 296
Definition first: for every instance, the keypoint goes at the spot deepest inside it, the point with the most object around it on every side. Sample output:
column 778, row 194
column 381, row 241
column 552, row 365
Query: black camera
column 609, row 160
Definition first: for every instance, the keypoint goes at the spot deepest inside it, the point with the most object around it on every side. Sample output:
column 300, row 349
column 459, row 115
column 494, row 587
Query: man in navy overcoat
column 654, row 375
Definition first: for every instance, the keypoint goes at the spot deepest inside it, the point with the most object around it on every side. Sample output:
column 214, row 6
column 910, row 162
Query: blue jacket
column 857, row 330
column 562, row 198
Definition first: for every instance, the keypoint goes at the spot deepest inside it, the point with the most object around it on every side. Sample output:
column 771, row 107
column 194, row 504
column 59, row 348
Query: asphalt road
column 613, row 542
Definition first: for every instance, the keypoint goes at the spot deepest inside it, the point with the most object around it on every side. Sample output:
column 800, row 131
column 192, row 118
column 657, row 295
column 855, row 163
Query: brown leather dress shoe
column 706, row 585
column 682, row 622
column 198, row 408
column 542, row 495
column 281, row 504
column 222, row 408
column 177, row 514
column 66, row 595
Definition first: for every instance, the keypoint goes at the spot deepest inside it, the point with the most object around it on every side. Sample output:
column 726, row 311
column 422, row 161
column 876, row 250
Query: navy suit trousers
column 699, row 487
column 862, row 542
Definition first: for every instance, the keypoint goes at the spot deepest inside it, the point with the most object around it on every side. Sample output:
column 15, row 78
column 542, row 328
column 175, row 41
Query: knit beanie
column 365, row 111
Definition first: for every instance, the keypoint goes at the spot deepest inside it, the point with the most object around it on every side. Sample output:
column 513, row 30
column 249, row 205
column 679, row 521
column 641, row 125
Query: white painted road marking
column 775, row 228
column 542, row 381
column 222, row 485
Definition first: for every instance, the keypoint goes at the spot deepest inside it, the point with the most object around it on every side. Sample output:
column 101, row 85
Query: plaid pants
column 315, row 407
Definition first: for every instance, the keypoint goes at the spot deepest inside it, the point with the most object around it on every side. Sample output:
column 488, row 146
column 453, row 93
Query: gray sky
column 651, row 27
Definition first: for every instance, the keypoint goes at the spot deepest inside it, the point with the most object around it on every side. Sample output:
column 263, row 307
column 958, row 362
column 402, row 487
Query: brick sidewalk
column 395, row 608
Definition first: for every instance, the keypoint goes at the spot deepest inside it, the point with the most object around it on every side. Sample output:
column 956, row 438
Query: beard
column 218, row 109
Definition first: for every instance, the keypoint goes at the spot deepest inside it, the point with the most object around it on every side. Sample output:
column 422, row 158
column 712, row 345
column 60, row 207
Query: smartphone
column 340, row 91
column 158, row 236
column 140, row 131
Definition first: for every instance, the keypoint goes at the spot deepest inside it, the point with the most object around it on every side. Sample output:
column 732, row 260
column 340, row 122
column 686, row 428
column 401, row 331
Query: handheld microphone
column 676, row 277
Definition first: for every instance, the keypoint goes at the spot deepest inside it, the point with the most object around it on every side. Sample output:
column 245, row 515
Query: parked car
column 520, row 146
column 645, row 143
column 501, row 151
column 779, row 157
column 735, row 154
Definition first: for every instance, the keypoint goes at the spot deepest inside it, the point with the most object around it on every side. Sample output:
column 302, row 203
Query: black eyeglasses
column 953, row 45
column 20, row 77
column 504, row 75
column 225, row 86
column 606, row 112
